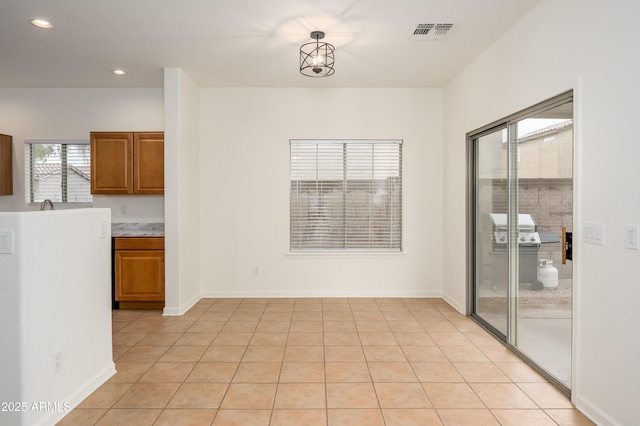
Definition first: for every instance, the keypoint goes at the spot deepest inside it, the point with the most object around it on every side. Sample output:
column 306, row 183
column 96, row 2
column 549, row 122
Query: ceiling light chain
column 317, row 59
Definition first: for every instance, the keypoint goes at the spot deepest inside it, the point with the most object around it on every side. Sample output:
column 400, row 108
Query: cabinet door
column 6, row 165
column 111, row 163
column 149, row 163
column 139, row 275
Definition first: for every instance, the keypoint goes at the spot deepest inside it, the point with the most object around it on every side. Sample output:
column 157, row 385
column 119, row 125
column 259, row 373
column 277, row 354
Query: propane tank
column 547, row 274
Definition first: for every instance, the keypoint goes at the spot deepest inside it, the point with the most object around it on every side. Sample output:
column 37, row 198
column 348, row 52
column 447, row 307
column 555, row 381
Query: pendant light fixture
column 316, row 58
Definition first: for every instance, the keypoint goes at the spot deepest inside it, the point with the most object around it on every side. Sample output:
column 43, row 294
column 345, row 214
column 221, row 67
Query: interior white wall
column 244, row 190
column 10, row 323
column 73, row 114
column 182, row 204
column 554, row 48
column 56, row 294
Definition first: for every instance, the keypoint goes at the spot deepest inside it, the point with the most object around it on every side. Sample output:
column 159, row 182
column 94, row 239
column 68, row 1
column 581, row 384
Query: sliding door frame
column 471, row 202
column 472, row 167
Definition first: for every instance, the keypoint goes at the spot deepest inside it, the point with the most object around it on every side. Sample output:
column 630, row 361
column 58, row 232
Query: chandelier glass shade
column 316, row 58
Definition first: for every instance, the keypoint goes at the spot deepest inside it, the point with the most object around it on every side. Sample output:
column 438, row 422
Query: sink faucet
column 44, row 203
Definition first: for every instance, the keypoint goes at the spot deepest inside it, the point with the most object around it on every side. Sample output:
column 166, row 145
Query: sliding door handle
column 567, row 245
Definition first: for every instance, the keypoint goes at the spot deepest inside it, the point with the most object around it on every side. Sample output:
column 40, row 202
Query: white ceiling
column 243, row 42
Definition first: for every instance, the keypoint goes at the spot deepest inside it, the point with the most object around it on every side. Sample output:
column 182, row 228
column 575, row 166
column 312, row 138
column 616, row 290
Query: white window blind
column 346, row 195
column 58, row 170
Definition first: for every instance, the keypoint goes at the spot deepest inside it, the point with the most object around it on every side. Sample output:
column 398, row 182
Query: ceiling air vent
column 423, row 30
column 431, row 31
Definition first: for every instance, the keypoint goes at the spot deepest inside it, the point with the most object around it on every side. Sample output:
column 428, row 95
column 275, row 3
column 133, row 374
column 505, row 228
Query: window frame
column 397, row 200
column 29, row 172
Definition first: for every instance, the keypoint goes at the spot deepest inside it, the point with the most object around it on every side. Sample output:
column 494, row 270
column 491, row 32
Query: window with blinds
column 346, row 195
column 58, row 170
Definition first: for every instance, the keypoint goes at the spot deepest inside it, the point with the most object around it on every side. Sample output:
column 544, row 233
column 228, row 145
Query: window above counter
column 58, row 170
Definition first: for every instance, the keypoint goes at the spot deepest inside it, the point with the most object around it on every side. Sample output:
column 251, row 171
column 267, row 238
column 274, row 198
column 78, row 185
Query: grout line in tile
column 409, row 310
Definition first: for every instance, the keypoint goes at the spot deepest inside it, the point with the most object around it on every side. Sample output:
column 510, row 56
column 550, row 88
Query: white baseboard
column 594, row 413
column 454, row 303
column 287, row 294
column 181, row 310
column 79, row 395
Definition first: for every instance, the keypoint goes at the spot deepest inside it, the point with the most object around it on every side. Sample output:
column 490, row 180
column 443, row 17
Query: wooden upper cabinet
column 127, row 163
column 111, row 163
column 148, row 155
column 6, row 165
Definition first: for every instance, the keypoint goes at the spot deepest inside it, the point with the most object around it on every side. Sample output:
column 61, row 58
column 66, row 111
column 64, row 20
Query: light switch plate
column 594, row 233
column 6, row 241
column 631, row 237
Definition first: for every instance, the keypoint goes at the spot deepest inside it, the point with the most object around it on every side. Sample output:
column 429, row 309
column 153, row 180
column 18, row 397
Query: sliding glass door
column 522, row 210
column 491, row 266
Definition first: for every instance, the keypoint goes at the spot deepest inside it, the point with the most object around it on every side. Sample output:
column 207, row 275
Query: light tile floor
column 317, row 362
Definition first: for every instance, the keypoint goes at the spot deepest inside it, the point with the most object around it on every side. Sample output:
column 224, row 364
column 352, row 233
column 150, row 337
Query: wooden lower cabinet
column 139, row 272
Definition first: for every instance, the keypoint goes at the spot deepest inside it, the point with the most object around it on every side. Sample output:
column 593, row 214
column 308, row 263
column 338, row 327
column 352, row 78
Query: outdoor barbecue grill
column 528, row 247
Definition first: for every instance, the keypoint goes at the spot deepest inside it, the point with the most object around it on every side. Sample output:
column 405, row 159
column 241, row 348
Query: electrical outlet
column 256, row 271
column 104, row 229
column 57, row 361
column 631, row 237
column 6, row 241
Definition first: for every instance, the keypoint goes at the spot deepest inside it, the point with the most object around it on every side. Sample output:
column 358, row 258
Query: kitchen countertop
column 137, row 229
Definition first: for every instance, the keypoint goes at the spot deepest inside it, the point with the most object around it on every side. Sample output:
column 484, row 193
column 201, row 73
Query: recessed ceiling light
column 119, row 72
column 41, row 23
